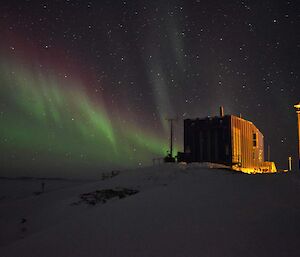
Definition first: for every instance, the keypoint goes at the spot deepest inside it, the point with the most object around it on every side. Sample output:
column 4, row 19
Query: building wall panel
column 250, row 140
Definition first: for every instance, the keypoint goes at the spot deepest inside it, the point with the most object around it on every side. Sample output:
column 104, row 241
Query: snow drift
column 174, row 211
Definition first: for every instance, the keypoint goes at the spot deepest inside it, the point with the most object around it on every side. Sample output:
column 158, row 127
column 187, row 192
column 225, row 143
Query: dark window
column 254, row 140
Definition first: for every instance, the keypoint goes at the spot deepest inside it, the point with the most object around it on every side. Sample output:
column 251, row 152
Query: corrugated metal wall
column 247, row 143
column 208, row 140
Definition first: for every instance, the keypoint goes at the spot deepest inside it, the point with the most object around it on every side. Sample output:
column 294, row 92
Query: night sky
column 86, row 85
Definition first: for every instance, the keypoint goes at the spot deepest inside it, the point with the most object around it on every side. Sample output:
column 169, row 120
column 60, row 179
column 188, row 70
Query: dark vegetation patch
column 102, row 196
column 109, row 175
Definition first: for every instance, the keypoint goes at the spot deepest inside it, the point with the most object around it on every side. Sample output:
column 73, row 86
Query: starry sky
column 89, row 84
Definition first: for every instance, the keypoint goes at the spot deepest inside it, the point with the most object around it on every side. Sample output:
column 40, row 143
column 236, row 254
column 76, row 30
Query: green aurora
column 46, row 122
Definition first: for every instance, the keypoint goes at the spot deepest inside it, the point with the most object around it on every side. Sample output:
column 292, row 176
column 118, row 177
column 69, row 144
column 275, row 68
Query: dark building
column 228, row 140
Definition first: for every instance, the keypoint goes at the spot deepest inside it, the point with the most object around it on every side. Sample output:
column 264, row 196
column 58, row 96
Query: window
column 254, row 139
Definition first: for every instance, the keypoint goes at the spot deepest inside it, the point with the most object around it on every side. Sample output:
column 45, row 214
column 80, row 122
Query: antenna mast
column 169, row 157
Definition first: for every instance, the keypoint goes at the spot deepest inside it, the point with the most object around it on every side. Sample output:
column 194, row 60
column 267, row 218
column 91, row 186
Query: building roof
column 225, row 116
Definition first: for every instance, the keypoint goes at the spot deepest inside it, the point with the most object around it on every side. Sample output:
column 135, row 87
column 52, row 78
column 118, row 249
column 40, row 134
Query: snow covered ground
column 177, row 211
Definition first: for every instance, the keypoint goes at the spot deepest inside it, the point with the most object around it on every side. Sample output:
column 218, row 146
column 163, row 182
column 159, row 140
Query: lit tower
column 297, row 106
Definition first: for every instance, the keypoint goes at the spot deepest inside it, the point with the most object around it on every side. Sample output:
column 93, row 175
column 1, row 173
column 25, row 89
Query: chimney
column 221, row 111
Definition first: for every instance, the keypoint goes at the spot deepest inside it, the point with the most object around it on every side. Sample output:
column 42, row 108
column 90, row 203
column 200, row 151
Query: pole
column 298, row 114
column 297, row 106
column 171, row 135
column 171, row 138
column 269, row 153
column 290, row 163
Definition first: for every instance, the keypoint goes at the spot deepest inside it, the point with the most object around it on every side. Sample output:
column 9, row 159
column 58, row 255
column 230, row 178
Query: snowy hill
column 170, row 210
